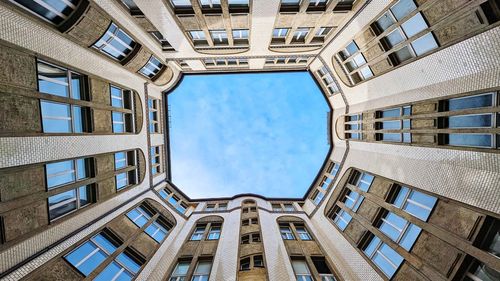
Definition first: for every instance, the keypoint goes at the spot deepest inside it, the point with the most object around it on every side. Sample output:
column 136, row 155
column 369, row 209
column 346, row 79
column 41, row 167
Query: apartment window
column 383, row 256
column 222, row 206
column 122, row 121
column 154, row 115
column 286, row 232
column 240, row 36
column 302, row 272
column 469, row 102
column 290, row 5
column 210, row 4
column 323, row 269
column 250, row 238
column 157, row 230
column 399, row 230
column 325, row 182
column 123, row 160
column 364, row 181
column 288, row 207
column 139, row 216
column 180, row 271
column 477, row 270
column 317, row 5
column 65, row 172
column 59, row 81
column 202, row 271
column 165, row 45
column 354, row 126
column 299, row 36
column 249, row 222
column 341, row 218
column 151, row 68
column 323, row 31
column 115, row 43
column 219, row 37
column 245, row 264
column 276, row 207
column 66, row 202
column 155, row 160
column 302, row 232
column 173, row 200
column 415, row 203
column 198, row 232
column 327, row 79
column 198, row 37
column 181, row 3
column 258, row 261
column 92, row 253
column 280, row 32
column 318, row 197
column 64, row 118
column 55, row 12
column 210, row 207
column 214, row 232
column 182, row 207
column 124, row 267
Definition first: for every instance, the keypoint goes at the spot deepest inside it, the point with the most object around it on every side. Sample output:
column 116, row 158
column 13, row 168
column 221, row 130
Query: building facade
column 410, row 189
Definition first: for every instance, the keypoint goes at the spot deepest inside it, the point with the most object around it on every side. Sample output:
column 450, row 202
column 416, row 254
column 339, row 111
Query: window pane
column 203, row 268
column 473, row 140
column 181, row 269
column 86, row 250
column 56, row 117
column 420, row 205
column 60, row 173
column 424, row 44
column 370, row 249
column 471, row 102
column 300, row 267
column 470, row 121
column 385, row 21
column 395, row 137
column 403, row 54
column 387, row 260
column 410, row 237
column 128, row 262
column 118, row 122
column 62, row 203
column 52, row 80
column 84, row 195
column 116, row 97
column 352, row 48
column 414, row 25
column 78, row 118
column 400, row 199
column 121, row 180
column 391, row 125
column 120, row 160
column 104, row 243
column 395, row 37
column 403, row 8
column 392, row 226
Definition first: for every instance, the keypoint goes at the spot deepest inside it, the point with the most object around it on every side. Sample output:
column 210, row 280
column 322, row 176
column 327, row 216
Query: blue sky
column 263, row 133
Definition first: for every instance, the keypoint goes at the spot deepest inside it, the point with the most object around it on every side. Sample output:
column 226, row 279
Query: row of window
column 326, row 78
column 314, row 5
column 201, row 270
column 330, row 173
column 220, row 37
column 205, row 231
column 235, row 62
column 210, row 5
column 453, row 114
column 286, row 61
column 173, row 199
column 210, row 207
column 299, row 35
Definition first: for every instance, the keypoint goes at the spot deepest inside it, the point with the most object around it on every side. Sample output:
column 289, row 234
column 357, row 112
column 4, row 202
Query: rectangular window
column 219, row 37
column 276, row 207
column 124, row 267
column 399, row 230
column 323, row 269
column 323, row 31
column 469, row 102
column 59, row 81
column 383, row 256
column 139, row 216
column 300, row 34
column 157, row 230
column 180, row 271
column 64, row 118
column 286, row 232
column 258, row 261
column 318, row 197
column 301, row 270
column 156, row 160
column 202, row 271
column 222, row 206
column 55, row 12
column 151, row 68
column 66, row 202
column 302, row 232
column 245, row 264
column 341, row 218
column 197, row 35
column 214, row 232
column 280, row 32
column 181, row 3
column 154, row 115
column 115, row 43
column 240, row 36
column 121, row 160
column 288, row 207
column 198, row 233
column 91, row 253
column 210, row 4
column 415, row 203
column 65, row 172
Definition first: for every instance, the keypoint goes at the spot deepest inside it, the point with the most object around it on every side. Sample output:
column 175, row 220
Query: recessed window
column 180, row 271
column 151, row 68
column 302, row 272
column 211, row 4
column 124, row 267
column 323, row 269
column 55, row 12
column 122, row 121
column 280, row 32
column 240, row 36
column 403, row 8
column 115, row 43
column 383, row 256
column 66, row 202
column 318, row 197
column 245, row 264
column 139, row 216
column 202, row 271
column 59, row 81
column 154, row 115
column 323, row 31
column 181, row 3
column 64, row 118
column 299, row 36
column 65, row 172
column 302, row 232
column 399, row 230
column 198, row 232
column 414, row 202
column 341, row 218
column 92, row 253
column 156, row 160
column 165, row 45
column 219, row 37
column 286, row 232
column 469, row 102
column 198, row 37
column 214, row 232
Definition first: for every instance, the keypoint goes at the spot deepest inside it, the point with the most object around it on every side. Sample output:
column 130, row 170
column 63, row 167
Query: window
column 154, row 115
column 288, row 207
column 155, row 160
column 124, row 267
column 383, row 256
column 341, row 218
column 301, row 270
column 64, row 118
column 66, row 202
column 222, row 206
column 210, row 4
column 415, row 203
column 245, row 264
column 318, row 197
column 157, row 230
column 353, row 126
column 202, row 271
column 151, row 68
column 122, row 121
column 65, row 172
column 299, row 36
column 139, row 216
column 327, row 79
column 258, row 261
column 120, row 160
column 325, row 182
column 180, row 271
column 219, row 37
column 59, row 81
column 399, row 230
column 469, row 102
column 198, row 232
column 323, row 31
column 181, row 3
column 182, row 207
column 276, row 207
column 55, row 12
column 165, row 45
column 124, row 160
column 173, row 200
column 280, row 32
column 302, row 232
column 115, row 43
column 323, row 269
column 92, row 253
column 286, row 232
column 240, row 36
column 198, row 37
column 214, row 232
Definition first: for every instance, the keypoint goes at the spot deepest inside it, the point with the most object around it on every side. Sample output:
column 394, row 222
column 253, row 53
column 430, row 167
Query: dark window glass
column 484, row 100
column 473, row 140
